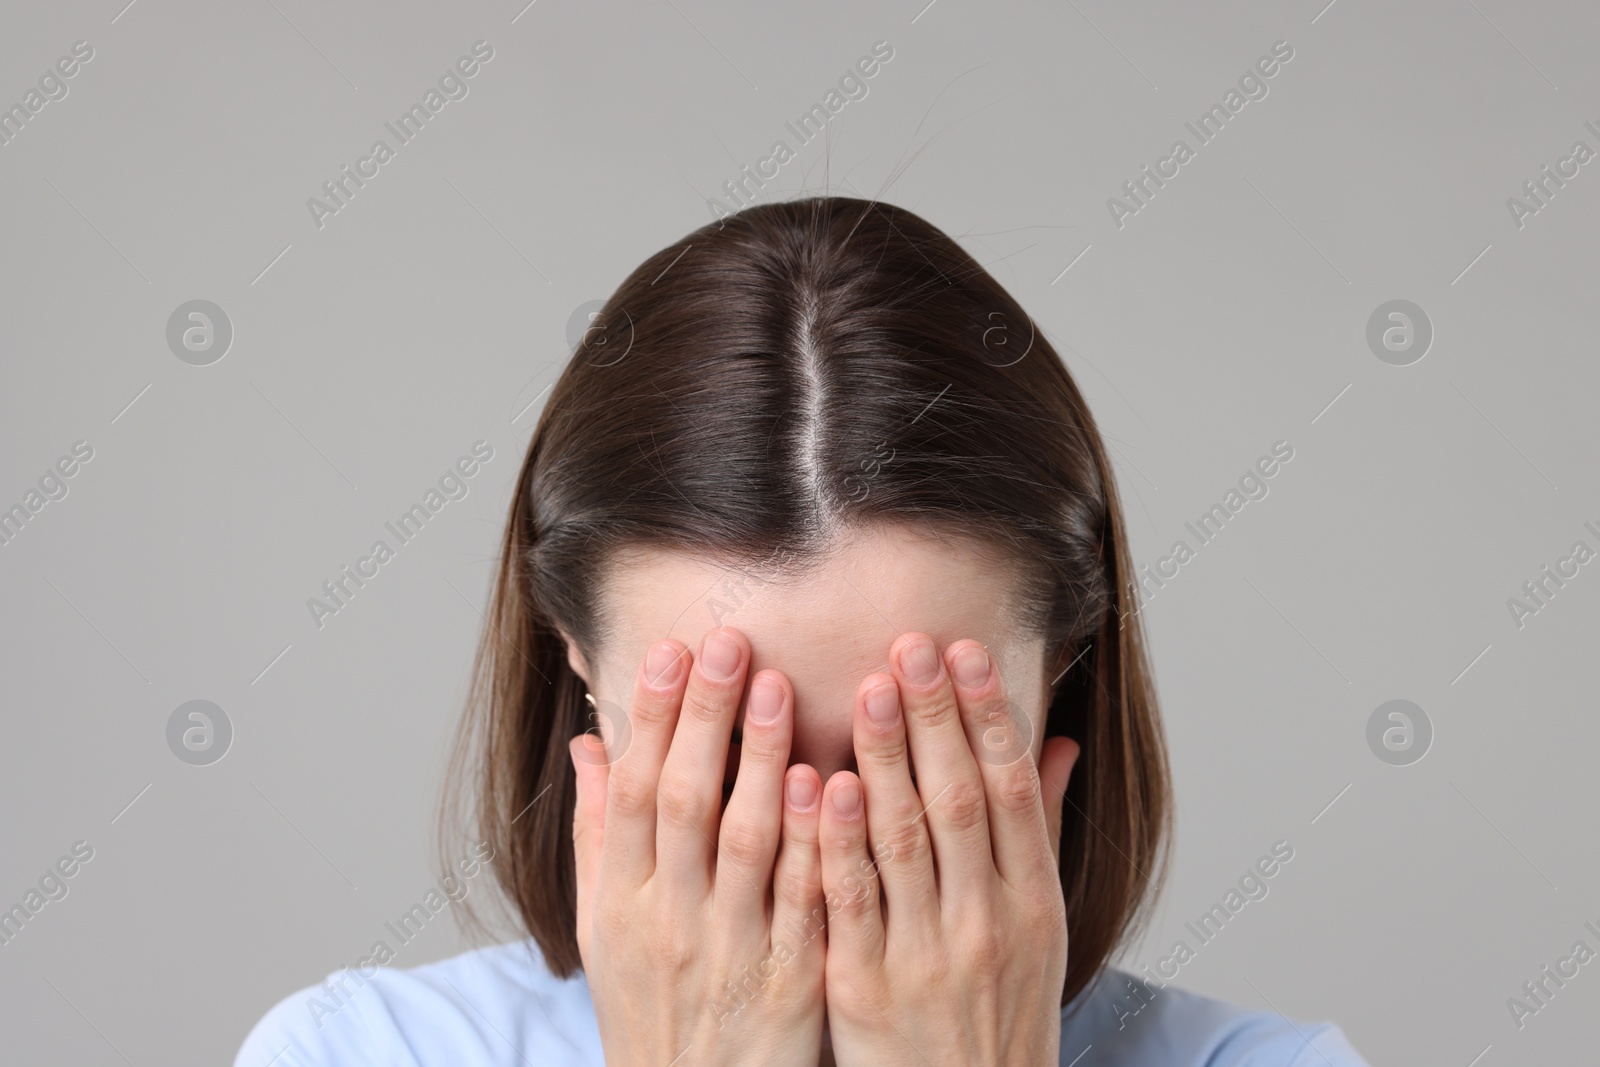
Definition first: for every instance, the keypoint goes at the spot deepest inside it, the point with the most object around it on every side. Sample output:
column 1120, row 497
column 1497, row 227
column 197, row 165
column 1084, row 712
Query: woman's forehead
column 839, row 614
column 826, row 628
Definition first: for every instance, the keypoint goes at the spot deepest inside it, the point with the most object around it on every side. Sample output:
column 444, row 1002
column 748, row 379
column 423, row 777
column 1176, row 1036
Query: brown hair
column 729, row 400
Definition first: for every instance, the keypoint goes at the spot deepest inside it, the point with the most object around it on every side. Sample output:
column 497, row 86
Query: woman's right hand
column 701, row 938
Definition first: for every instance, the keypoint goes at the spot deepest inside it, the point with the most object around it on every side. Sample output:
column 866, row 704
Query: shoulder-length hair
column 728, row 400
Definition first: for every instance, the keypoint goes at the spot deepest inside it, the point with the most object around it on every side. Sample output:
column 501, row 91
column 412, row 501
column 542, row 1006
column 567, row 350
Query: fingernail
column 719, row 656
column 917, row 661
column 802, row 792
column 972, row 666
column 883, row 705
column 766, row 701
column 847, row 799
column 662, row 663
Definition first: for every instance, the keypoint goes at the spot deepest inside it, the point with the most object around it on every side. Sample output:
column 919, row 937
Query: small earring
column 590, row 698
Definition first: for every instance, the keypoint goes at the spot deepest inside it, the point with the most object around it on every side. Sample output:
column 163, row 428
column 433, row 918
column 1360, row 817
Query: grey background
column 370, row 354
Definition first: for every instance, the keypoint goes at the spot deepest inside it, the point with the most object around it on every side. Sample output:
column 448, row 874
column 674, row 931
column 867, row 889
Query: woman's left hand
column 964, row 959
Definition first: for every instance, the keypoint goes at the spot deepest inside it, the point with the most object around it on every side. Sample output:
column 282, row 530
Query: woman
column 819, row 540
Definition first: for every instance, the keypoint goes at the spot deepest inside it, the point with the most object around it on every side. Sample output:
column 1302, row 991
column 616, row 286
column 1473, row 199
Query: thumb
column 588, row 826
column 1060, row 755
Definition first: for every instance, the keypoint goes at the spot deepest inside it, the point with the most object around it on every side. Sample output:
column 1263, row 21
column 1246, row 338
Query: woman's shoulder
column 1122, row 1019
column 490, row 1006
column 501, row 1005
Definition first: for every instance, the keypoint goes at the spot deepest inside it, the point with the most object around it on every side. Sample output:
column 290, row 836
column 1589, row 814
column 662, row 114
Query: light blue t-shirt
column 501, row 1007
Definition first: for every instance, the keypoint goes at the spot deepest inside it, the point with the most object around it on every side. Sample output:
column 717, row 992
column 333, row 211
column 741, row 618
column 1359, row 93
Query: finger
column 690, row 793
column 948, row 781
column 799, row 918
column 1060, row 755
column 849, row 877
column 635, row 772
column 895, row 826
column 1011, row 784
column 588, row 832
column 747, row 839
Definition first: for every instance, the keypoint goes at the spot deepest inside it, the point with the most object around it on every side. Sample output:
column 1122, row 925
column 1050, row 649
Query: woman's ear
column 575, row 659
